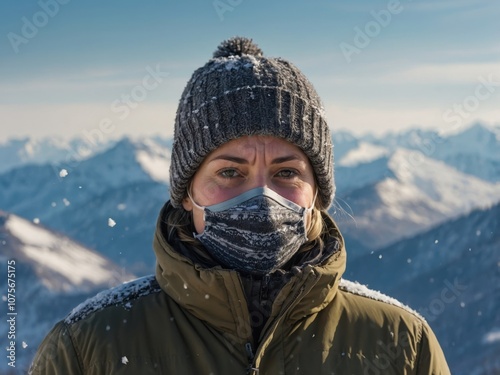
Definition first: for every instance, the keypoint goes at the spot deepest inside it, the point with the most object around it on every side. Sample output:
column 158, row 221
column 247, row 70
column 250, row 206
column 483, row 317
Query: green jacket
column 190, row 319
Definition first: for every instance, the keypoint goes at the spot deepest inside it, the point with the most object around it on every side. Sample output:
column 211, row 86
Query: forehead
column 257, row 143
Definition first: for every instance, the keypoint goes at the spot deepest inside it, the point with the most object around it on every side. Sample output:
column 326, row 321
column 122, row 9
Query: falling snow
column 492, row 337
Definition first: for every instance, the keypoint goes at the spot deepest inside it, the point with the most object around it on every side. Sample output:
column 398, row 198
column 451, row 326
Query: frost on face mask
column 256, row 232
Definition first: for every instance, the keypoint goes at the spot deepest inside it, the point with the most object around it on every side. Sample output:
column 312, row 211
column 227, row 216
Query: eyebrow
column 284, row 159
column 236, row 159
column 230, row 158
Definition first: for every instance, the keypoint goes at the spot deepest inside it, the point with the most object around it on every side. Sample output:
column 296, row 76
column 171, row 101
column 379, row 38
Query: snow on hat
column 239, row 92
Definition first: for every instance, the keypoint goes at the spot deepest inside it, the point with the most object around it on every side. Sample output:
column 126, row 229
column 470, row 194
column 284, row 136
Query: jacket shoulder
column 121, row 295
column 357, row 289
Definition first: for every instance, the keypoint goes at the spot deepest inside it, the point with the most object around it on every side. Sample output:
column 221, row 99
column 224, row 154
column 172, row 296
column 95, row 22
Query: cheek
column 205, row 191
column 303, row 198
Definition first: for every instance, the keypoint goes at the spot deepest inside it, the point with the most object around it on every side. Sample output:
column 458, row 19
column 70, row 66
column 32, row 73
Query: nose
column 260, row 178
column 261, row 181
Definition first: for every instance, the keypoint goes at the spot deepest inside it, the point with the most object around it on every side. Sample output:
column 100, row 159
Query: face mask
column 255, row 232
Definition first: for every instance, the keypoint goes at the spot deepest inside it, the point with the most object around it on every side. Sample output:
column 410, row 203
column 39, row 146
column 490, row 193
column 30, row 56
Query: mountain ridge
column 52, row 274
column 392, row 190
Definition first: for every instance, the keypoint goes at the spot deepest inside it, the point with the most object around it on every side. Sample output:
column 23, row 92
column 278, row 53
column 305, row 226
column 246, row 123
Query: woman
column 249, row 263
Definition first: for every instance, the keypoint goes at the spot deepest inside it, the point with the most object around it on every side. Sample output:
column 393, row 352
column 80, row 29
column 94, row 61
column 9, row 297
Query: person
column 249, row 262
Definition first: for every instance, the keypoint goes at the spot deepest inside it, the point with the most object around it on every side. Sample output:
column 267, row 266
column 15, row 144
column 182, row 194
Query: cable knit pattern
column 240, row 92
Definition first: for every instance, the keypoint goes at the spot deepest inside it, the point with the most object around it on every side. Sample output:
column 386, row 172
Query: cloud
column 435, row 6
column 375, row 120
column 94, row 86
column 392, row 74
column 81, row 119
column 448, row 73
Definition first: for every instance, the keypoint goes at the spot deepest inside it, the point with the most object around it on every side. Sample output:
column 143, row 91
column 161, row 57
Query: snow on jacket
column 190, row 319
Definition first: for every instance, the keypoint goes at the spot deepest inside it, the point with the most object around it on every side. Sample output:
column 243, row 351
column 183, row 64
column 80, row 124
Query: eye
column 287, row 173
column 229, row 173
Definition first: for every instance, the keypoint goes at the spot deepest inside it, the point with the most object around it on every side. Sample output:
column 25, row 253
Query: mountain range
column 451, row 275
column 126, row 183
column 410, row 206
column 49, row 275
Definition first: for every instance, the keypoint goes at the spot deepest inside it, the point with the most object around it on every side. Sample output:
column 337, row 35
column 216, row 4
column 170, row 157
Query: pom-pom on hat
column 240, row 92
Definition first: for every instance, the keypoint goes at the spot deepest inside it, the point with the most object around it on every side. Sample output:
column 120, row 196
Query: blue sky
column 70, row 67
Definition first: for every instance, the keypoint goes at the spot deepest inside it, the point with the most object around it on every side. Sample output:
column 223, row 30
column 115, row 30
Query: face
column 246, row 163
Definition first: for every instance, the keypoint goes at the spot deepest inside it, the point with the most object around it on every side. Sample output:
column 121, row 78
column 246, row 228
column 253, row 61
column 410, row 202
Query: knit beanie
column 240, row 92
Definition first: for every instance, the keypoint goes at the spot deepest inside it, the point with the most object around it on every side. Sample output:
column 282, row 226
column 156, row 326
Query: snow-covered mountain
column 451, row 275
column 389, row 189
column 391, row 177
column 52, row 275
column 52, row 187
column 474, row 150
column 343, row 142
column 54, row 256
column 18, row 152
column 126, row 183
column 404, row 194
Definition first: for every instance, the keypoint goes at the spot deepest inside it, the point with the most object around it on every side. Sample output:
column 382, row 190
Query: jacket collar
column 216, row 295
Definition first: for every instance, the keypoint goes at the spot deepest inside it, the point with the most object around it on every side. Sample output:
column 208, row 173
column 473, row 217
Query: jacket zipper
column 248, row 346
column 252, row 370
column 265, row 287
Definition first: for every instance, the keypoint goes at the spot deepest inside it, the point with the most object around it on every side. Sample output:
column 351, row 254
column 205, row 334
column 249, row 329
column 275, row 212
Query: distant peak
column 364, row 153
